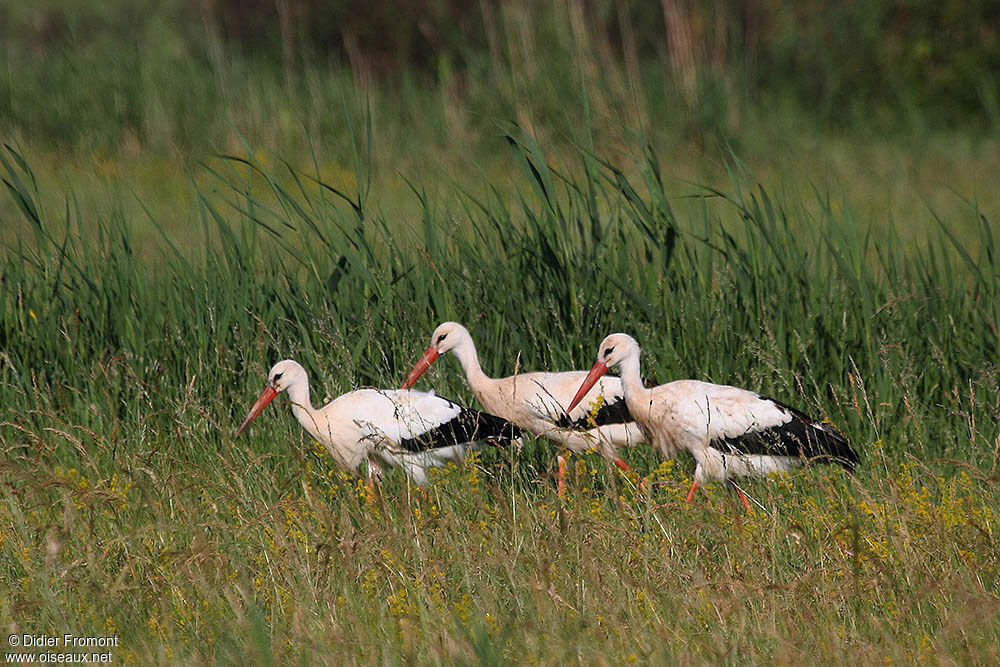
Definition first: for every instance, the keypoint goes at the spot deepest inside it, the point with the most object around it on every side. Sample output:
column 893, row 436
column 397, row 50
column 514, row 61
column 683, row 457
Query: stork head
column 282, row 375
column 444, row 339
column 616, row 348
column 613, row 350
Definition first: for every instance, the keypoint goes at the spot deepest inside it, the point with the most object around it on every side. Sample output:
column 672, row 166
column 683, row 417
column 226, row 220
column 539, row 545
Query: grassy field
column 145, row 289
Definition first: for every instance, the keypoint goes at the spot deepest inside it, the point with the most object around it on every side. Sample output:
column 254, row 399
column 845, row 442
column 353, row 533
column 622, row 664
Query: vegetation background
column 795, row 197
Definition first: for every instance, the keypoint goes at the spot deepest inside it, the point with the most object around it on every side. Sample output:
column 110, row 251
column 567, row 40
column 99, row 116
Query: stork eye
column 608, row 351
column 277, row 376
column 440, row 338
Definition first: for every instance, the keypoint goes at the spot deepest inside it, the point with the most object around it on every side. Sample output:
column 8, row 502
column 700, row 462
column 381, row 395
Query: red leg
column 626, row 468
column 374, row 479
column 742, row 496
column 694, row 486
column 644, row 484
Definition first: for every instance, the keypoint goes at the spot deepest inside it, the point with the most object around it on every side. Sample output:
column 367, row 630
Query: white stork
column 537, row 401
column 412, row 430
column 729, row 431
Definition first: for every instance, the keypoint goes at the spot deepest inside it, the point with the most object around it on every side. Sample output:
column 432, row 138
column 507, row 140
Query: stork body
column 412, row 430
column 731, row 432
column 537, row 401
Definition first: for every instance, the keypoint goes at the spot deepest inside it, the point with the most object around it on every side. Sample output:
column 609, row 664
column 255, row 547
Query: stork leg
column 694, row 486
column 742, row 496
column 644, row 483
column 561, row 479
column 626, row 468
column 374, row 478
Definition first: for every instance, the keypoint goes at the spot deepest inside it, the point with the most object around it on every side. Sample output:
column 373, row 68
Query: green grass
column 129, row 508
column 166, row 243
column 122, row 106
column 278, row 557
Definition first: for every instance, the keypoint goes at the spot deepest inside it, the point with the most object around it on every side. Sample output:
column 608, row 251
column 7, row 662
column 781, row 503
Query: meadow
column 147, row 287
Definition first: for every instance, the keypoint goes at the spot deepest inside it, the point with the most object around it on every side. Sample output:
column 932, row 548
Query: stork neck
column 632, row 383
column 298, row 396
column 469, row 358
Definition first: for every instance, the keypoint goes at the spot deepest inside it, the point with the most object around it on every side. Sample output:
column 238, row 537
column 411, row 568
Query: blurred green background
column 103, row 74
column 878, row 100
column 797, row 198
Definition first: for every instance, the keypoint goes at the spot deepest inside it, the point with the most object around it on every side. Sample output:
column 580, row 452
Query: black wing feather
column 468, row 426
column 802, row 436
column 613, row 412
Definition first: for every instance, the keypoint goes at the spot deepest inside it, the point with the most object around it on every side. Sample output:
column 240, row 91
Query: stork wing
column 418, row 421
column 742, row 422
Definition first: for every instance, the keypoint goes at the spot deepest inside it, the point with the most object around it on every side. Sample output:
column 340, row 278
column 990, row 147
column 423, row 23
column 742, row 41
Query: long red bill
column 599, row 368
column 265, row 397
column 430, row 356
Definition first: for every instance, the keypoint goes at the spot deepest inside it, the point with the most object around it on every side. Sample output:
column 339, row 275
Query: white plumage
column 411, row 430
column 729, row 431
column 537, row 401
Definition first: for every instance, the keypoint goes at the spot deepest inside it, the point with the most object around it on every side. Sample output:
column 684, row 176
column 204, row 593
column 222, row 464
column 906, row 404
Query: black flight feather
column 613, row 412
column 800, row 437
column 467, row 426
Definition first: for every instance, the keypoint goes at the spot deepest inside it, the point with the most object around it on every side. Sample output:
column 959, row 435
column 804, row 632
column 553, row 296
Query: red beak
column 265, row 397
column 430, row 356
column 599, row 368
